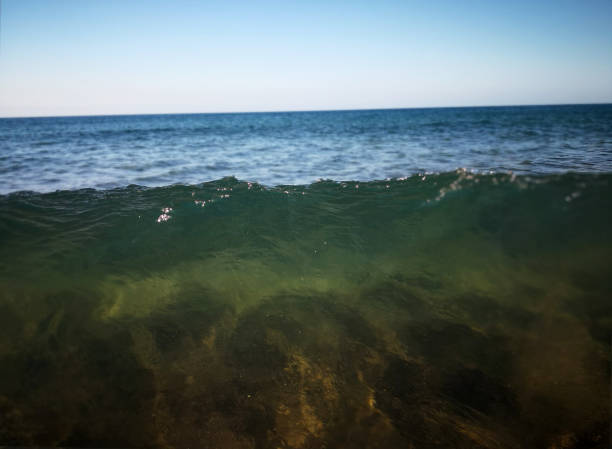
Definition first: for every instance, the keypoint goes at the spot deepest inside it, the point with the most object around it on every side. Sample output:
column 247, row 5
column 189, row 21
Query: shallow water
column 447, row 310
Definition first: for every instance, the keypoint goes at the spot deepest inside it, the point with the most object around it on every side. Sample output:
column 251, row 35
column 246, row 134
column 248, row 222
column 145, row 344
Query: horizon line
column 289, row 111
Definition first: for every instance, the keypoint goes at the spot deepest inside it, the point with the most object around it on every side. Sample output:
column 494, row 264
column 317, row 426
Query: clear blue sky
column 61, row 57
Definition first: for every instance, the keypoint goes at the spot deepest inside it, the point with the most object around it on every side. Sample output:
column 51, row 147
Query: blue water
column 47, row 154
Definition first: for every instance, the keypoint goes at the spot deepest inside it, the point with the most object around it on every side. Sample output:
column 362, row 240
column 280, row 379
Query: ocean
column 424, row 278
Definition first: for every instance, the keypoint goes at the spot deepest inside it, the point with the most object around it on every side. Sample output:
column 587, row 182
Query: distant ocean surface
column 427, row 278
column 47, row 154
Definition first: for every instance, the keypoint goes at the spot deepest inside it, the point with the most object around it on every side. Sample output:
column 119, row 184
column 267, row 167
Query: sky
column 63, row 57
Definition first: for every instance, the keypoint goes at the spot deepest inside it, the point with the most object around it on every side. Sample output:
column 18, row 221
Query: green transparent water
column 451, row 310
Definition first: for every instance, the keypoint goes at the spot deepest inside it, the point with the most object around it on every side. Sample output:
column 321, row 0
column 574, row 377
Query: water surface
column 455, row 309
column 46, row 154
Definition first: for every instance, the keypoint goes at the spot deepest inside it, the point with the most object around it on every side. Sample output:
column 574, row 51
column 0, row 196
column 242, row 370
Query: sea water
column 60, row 153
column 404, row 278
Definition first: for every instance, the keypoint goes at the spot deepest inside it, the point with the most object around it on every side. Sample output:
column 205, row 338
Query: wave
column 520, row 210
column 396, row 196
column 396, row 313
